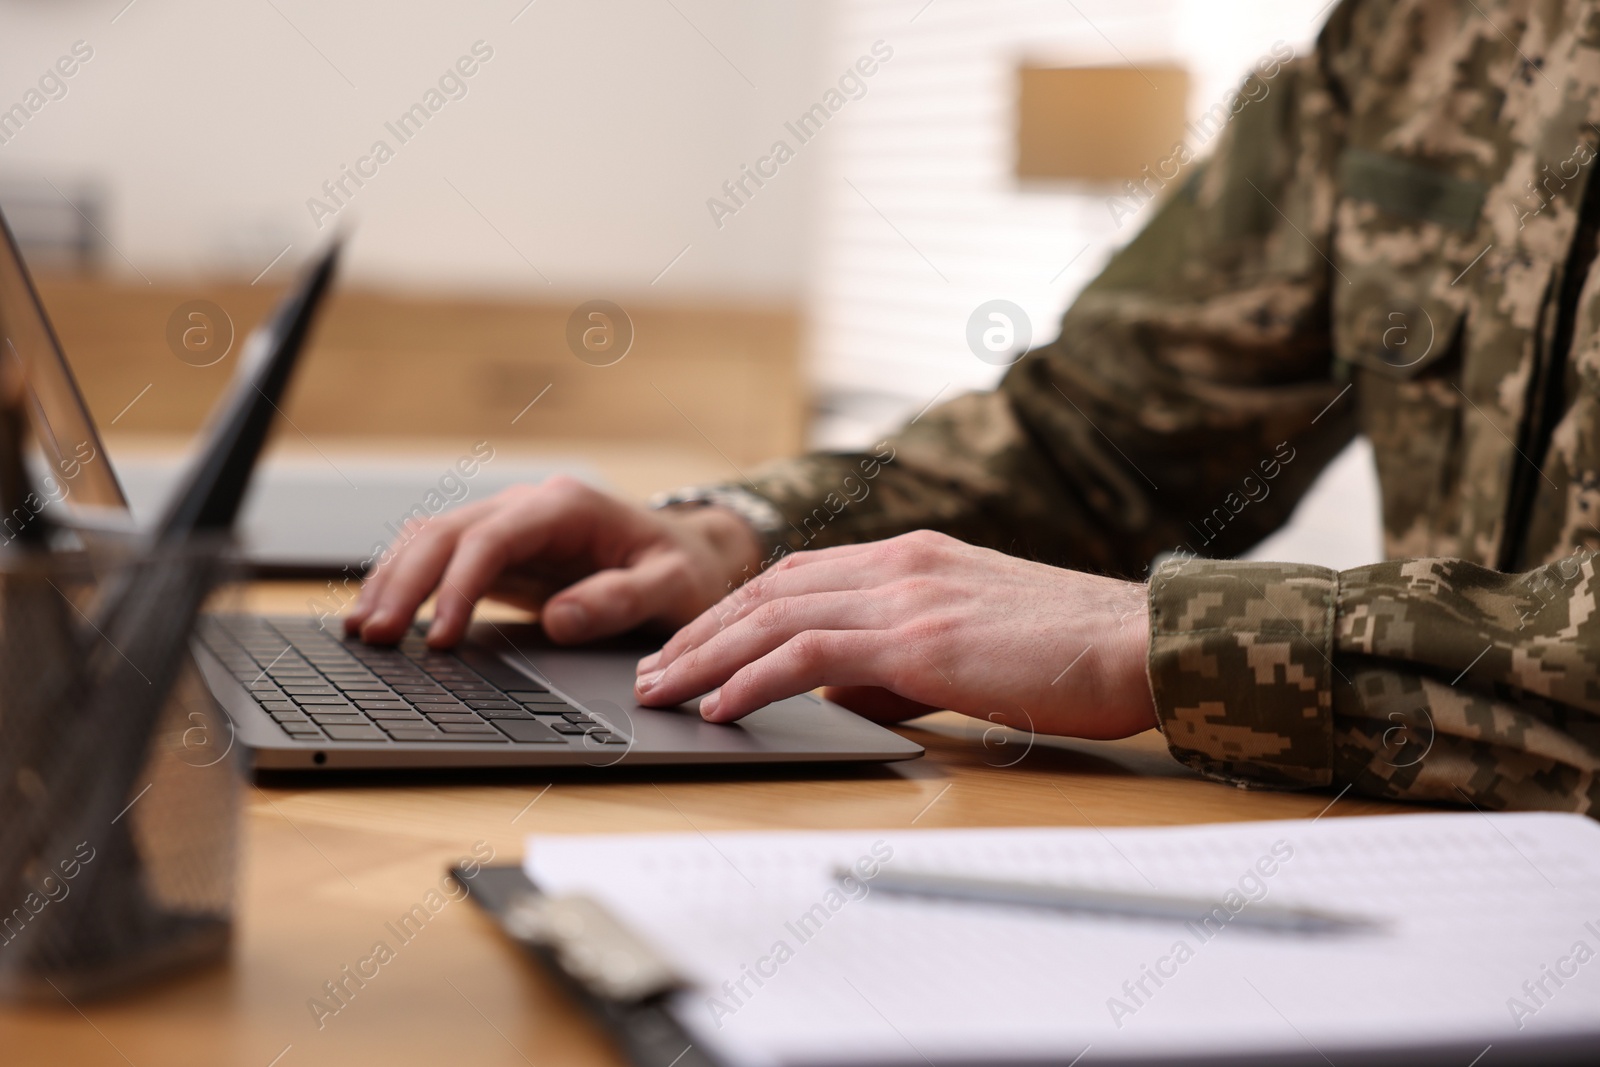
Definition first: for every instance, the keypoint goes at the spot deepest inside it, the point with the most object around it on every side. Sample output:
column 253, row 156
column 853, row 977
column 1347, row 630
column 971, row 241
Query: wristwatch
column 757, row 511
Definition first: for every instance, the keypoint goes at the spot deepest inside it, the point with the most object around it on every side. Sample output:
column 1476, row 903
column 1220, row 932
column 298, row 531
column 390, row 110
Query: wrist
column 1130, row 641
column 742, row 525
column 729, row 536
column 734, row 540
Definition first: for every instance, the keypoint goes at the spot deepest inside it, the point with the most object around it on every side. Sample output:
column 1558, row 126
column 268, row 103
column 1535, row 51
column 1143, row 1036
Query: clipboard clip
column 590, row 945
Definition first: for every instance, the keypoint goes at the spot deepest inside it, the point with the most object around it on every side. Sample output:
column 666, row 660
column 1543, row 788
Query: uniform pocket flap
column 1399, row 233
column 1386, row 329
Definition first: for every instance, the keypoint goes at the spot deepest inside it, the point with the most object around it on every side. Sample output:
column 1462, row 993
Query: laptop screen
column 75, row 470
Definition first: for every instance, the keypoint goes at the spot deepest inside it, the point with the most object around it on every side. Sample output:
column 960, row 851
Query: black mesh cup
column 119, row 776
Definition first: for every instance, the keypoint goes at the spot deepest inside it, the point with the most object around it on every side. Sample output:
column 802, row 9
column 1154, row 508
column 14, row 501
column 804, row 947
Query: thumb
column 617, row 600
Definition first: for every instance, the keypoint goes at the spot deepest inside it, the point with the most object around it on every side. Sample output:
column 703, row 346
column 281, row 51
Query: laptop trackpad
column 599, row 678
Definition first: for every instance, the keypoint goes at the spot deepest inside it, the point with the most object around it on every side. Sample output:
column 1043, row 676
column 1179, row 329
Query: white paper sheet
column 790, row 968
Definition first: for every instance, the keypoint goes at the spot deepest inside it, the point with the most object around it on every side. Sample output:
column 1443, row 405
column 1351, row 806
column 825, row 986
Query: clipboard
column 1414, row 990
column 617, row 979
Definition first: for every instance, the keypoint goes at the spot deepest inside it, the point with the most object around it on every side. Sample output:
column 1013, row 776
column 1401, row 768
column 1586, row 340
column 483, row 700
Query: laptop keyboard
column 319, row 687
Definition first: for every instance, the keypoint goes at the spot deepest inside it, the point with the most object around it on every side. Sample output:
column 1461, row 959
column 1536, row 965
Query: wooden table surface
column 323, row 870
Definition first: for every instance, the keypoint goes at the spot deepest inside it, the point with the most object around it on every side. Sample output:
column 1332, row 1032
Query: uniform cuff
column 1241, row 667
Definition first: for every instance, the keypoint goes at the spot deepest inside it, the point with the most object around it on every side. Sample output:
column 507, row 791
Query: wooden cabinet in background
column 390, row 365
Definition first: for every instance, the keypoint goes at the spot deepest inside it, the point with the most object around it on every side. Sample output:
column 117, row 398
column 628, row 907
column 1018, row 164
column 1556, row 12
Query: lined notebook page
column 788, row 967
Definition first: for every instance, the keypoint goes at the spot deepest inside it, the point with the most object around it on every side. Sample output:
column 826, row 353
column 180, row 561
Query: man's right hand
column 590, row 564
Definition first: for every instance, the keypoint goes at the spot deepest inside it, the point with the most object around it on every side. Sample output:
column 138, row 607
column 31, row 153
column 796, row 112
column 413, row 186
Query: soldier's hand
column 900, row 627
column 590, row 564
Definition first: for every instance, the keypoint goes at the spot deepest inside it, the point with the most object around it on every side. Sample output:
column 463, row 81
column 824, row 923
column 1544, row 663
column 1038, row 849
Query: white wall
column 591, row 140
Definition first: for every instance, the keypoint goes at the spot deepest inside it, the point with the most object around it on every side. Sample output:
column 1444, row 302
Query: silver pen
column 1108, row 902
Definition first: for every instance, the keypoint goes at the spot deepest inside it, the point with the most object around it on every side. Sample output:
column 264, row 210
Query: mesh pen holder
column 119, row 778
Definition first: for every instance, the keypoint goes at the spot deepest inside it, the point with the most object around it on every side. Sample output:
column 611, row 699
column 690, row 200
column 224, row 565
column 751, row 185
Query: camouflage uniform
column 1396, row 241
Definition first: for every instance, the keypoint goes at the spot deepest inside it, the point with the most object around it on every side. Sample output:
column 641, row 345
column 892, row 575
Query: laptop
column 301, row 696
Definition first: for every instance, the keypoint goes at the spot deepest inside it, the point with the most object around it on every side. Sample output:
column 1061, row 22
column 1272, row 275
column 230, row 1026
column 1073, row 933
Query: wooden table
column 325, row 868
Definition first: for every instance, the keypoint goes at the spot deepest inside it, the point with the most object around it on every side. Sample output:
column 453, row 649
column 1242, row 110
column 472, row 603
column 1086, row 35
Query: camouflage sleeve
column 1424, row 679
column 1191, row 396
